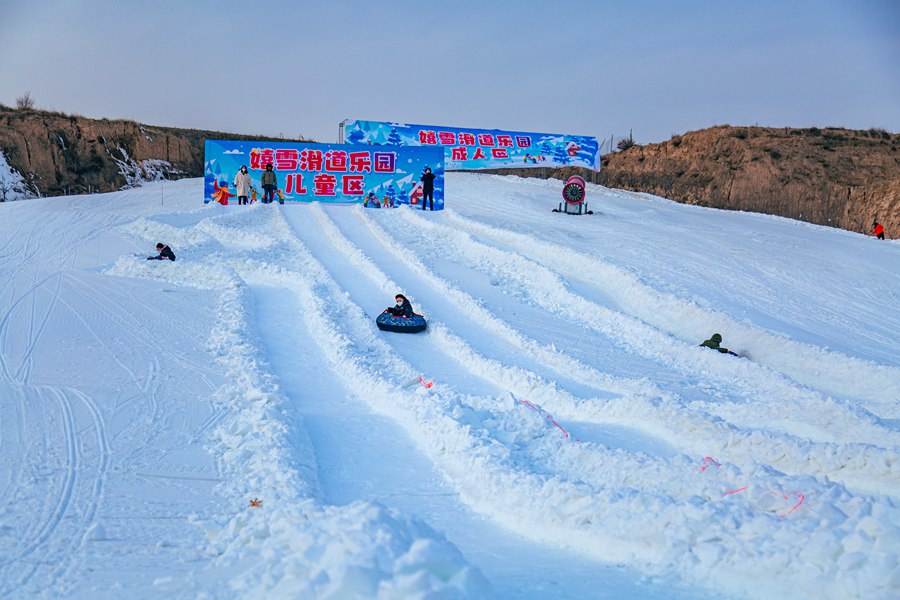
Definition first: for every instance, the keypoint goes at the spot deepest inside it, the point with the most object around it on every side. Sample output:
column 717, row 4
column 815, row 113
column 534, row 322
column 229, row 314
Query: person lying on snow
column 165, row 253
column 402, row 309
column 714, row 342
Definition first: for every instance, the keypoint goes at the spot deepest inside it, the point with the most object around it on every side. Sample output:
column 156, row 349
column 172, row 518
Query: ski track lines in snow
column 65, row 429
column 517, row 487
column 69, row 465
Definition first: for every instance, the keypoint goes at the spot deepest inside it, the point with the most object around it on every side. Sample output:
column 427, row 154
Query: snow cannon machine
column 388, row 322
column 573, row 194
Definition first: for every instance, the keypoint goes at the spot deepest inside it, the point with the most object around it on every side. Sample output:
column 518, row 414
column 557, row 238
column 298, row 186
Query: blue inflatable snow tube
column 388, row 322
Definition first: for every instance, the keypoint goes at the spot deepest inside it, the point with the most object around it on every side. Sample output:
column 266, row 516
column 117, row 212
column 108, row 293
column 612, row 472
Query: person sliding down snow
column 714, row 342
column 402, row 309
column 165, row 253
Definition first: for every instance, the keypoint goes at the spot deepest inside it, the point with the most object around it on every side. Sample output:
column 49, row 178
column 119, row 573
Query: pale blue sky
column 583, row 67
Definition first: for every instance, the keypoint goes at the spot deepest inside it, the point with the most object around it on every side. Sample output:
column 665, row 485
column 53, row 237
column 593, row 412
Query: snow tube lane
column 365, row 456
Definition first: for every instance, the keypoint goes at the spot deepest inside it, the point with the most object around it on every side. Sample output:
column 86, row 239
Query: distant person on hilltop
column 242, row 184
column 878, row 230
column 165, row 253
column 714, row 342
column 427, row 180
column 269, row 182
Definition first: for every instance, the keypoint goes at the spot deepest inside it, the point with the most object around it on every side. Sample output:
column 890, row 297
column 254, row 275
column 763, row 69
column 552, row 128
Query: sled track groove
column 63, row 498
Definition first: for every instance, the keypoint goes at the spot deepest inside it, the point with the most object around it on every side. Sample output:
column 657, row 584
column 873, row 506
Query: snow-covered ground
column 576, row 441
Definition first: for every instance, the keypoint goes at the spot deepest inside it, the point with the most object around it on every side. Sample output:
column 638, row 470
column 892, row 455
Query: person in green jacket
column 714, row 342
column 269, row 182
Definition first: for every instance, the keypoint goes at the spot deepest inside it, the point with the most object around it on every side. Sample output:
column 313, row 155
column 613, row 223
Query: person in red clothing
column 878, row 230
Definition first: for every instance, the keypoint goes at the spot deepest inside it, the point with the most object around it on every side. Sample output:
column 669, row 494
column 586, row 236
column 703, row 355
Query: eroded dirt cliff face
column 58, row 154
column 837, row 177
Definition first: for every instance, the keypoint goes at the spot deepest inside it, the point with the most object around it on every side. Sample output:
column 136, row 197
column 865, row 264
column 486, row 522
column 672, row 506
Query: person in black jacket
column 402, row 309
column 427, row 180
column 165, row 253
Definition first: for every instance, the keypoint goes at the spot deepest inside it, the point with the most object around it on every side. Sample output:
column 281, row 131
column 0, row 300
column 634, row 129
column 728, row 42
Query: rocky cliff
column 52, row 153
column 838, row 177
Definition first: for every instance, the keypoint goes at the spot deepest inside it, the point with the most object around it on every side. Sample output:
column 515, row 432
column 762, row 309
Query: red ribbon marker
column 543, row 412
column 709, row 460
column 796, row 506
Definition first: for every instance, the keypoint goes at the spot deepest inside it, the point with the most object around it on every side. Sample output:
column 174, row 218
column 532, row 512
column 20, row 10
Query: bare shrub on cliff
column 25, row 101
column 626, row 143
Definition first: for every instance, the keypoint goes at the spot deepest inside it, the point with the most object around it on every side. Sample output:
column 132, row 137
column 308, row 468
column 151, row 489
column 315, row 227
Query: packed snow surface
column 234, row 425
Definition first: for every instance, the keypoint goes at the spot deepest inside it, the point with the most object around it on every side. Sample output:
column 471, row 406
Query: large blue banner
column 482, row 148
column 375, row 176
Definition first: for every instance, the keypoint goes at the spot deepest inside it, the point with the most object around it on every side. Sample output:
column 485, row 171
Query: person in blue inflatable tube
column 402, row 309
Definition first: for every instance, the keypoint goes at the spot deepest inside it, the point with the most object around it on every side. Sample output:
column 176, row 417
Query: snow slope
column 576, row 442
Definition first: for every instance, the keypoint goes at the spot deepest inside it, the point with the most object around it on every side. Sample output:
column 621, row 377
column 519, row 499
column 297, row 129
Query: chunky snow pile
column 12, row 184
column 137, row 173
column 236, row 416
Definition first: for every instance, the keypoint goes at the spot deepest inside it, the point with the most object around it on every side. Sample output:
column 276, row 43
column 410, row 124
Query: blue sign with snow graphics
column 333, row 173
column 482, row 148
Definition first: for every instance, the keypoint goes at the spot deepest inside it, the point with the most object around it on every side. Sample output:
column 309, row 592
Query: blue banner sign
column 482, row 148
column 375, row 176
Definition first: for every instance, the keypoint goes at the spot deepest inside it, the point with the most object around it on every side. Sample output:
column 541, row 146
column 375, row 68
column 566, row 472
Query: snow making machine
column 573, row 194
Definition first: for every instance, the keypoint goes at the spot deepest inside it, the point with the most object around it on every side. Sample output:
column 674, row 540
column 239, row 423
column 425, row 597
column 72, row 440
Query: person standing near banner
column 427, row 180
column 269, row 182
column 242, row 184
